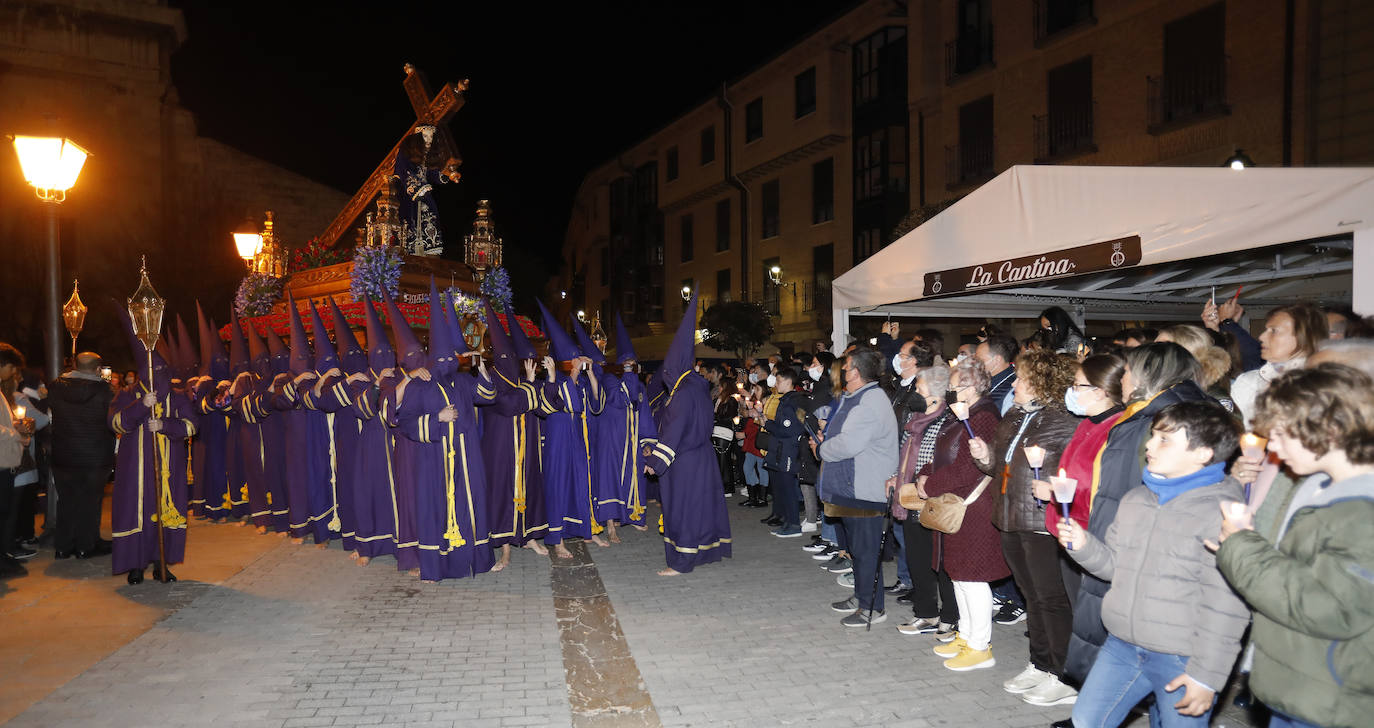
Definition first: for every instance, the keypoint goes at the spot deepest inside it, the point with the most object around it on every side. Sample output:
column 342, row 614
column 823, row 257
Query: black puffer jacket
column 1122, row 465
column 1014, row 507
column 81, row 436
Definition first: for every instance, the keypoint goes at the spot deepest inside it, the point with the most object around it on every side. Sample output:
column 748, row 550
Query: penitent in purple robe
column 247, row 493
column 568, row 462
column 149, row 488
column 510, row 452
column 626, row 425
column 209, row 463
column 309, row 495
column 332, row 397
column 374, row 487
column 696, row 527
column 445, row 459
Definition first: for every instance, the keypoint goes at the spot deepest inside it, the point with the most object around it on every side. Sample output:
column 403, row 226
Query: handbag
column 945, row 512
column 908, row 498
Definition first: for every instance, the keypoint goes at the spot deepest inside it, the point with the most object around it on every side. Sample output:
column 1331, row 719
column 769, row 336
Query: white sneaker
column 810, row 527
column 1050, row 692
column 1029, row 678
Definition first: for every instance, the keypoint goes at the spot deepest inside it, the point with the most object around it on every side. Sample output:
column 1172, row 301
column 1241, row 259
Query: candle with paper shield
column 960, row 410
column 1252, row 446
column 1035, row 457
column 1064, row 488
column 19, row 412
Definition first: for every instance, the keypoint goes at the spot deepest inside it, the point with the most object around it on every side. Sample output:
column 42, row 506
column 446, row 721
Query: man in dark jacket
column 82, row 451
column 784, row 460
column 906, row 400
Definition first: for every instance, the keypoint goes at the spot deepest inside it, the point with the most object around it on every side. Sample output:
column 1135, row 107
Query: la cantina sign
column 1105, row 255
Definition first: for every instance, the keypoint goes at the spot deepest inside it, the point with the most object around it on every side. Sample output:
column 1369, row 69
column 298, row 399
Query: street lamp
column 51, row 165
column 582, row 316
column 1239, row 160
column 248, row 241
column 775, row 277
column 686, row 293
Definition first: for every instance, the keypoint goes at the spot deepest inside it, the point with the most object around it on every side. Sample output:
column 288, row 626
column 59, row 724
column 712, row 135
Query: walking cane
column 878, row 572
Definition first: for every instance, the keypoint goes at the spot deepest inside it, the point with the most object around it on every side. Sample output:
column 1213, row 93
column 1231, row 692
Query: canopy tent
column 1126, row 243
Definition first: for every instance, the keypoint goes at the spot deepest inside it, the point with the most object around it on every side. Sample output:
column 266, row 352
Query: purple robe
column 309, row 493
column 567, row 462
column 445, row 460
column 510, row 451
column 210, row 469
column 247, row 477
column 142, row 491
column 374, row 488
column 696, row 526
column 345, row 431
column 626, row 424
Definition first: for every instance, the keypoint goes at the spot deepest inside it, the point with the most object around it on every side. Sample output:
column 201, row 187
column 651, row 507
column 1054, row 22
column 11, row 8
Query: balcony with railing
column 1195, row 94
column 969, row 162
column 968, row 52
column 1052, row 17
column 1064, row 133
column 816, row 297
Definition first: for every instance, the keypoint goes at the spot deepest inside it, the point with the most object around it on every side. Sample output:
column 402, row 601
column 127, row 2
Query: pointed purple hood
column 380, row 355
column 213, row 360
column 682, row 352
column 238, row 348
column 561, row 346
column 624, row 347
column 325, row 356
column 278, row 356
column 410, row 354
column 301, row 360
column 502, row 348
column 352, row 358
column 524, row 348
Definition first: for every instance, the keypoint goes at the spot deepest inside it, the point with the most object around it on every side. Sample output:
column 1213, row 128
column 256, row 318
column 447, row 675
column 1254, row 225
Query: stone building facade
column 913, row 105
column 99, row 73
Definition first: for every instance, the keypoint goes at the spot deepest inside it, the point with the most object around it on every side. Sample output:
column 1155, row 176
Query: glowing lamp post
column 248, row 241
column 74, row 316
column 51, row 165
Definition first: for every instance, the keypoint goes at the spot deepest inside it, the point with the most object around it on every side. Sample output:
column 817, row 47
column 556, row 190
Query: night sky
column 556, row 89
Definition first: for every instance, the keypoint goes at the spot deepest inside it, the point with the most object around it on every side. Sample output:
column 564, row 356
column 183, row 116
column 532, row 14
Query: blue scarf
column 1169, row 488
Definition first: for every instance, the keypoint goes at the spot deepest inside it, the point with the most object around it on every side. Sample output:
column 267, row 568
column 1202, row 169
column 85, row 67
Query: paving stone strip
column 605, row 689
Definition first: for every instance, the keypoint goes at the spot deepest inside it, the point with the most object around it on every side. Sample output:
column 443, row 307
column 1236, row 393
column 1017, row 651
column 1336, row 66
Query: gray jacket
column 1166, row 593
column 860, row 449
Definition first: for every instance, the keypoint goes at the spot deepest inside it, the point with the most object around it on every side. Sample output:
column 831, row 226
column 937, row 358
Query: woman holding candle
column 15, row 436
column 1031, row 437
column 973, row 555
column 1311, row 588
column 1156, row 375
column 934, row 606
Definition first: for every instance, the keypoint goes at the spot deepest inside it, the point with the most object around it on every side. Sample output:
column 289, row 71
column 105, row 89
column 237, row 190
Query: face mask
column 772, row 381
column 896, row 362
column 1072, row 403
column 815, row 374
column 753, row 378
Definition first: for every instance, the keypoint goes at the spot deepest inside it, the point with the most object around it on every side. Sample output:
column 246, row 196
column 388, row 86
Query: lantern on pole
column 145, row 312
column 74, row 315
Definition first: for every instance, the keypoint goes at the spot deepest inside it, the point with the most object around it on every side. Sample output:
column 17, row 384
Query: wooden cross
column 434, row 112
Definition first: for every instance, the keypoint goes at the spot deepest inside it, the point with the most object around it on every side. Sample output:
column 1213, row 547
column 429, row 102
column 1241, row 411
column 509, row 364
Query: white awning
column 1236, row 227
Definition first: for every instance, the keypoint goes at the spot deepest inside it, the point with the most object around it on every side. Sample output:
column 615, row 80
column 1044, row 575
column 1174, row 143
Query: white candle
column 736, row 421
column 1252, row 445
column 1235, row 511
column 19, row 412
column 1035, row 456
column 960, row 410
column 1063, row 487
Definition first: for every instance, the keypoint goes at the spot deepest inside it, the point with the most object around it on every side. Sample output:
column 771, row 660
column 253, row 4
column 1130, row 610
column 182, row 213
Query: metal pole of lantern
column 145, row 311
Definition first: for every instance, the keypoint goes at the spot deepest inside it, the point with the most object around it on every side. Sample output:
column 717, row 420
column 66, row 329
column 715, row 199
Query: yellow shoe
column 968, row 659
column 952, row 648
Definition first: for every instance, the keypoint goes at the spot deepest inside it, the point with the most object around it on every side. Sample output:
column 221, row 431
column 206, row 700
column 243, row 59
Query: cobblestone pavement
column 303, row 637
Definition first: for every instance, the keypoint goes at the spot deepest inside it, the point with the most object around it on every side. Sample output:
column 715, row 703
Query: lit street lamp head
column 50, row 164
column 248, row 240
column 145, row 310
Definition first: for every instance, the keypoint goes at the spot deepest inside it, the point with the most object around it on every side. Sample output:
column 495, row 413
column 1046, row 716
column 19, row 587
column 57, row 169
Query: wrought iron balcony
column 970, row 162
column 1064, row 132
column 970, row 51
column 1196, row 93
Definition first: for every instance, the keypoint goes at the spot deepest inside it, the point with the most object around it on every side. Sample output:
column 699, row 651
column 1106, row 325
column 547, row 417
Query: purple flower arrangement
column 496, row 287
column 375, row 269
column 257, row 293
